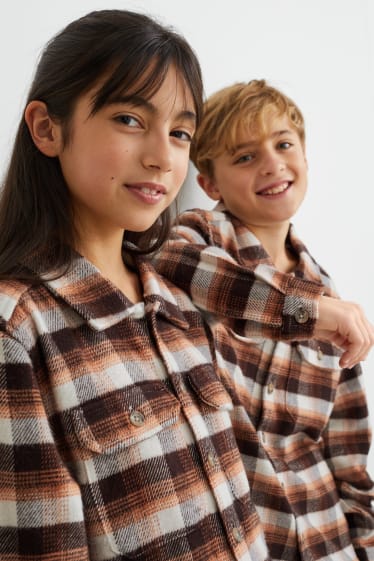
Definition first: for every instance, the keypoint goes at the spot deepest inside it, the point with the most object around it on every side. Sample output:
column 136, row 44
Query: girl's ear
column 209, row 186
column 45, row 133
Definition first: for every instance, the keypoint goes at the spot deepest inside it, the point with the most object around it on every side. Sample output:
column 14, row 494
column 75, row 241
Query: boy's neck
column 273, row 239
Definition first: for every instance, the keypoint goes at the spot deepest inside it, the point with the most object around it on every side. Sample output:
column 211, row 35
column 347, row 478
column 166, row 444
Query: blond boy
column 307, row 468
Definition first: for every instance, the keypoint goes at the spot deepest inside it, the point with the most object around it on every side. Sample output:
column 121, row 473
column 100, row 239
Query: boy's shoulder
column 205, row 227
column 217, row 219
column 312, row 269
column 217, row 227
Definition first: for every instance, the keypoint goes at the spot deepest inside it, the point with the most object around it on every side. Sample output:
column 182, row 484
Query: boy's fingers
column 356, row 346
column 360, row 340
column 345, row 325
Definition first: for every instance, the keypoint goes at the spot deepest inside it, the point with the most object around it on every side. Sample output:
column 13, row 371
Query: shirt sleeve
column 272, row 304
column 41, row 514
column 347, row 440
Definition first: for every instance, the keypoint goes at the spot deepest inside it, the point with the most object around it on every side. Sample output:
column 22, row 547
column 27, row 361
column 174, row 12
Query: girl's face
column 125, row 164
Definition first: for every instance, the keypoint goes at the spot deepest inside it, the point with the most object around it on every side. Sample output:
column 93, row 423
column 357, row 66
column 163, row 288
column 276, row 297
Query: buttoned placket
column 210, row 461
column 268, row 395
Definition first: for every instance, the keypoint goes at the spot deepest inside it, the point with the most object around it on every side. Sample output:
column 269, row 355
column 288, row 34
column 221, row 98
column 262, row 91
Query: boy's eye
column 244, row 158
column 128, row 120
column 284, row 145
column 182, row 135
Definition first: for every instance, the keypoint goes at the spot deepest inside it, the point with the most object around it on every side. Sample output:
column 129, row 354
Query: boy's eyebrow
column 250, row 143
column 139, row 101
column 281, row 132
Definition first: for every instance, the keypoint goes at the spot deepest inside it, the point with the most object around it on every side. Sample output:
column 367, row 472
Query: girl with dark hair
column 109, row 57
column 115, row 433
column 115, row 436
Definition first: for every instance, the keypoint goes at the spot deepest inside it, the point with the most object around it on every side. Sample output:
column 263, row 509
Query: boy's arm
column 347, row 441
column 273, row 304
column 41, row 514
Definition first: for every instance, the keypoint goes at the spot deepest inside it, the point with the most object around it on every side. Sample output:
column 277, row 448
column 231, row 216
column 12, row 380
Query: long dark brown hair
column 125, row 48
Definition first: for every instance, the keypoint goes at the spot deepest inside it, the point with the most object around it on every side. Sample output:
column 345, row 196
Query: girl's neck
column 107, row 257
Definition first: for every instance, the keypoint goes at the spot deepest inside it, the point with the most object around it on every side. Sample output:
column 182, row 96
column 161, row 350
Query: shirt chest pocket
column 143, row 487
column 311, row 387
column 134, row 468
column 124, row 417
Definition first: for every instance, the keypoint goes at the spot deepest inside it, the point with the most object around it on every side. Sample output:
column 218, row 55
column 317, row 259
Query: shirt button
column 212, row 460
column 238, row 536
column 319, row 353
column 271, row 387
column 137, row 418
column 301, row 315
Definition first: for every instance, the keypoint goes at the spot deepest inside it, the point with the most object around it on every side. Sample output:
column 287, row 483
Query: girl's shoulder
column 11, row 291
column 17, row 298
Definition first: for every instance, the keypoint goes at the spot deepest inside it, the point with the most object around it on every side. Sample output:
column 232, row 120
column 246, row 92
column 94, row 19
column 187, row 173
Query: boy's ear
column 45, row 133
column 209, row 186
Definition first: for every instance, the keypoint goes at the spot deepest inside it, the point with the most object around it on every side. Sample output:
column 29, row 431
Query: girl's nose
column 157, row 153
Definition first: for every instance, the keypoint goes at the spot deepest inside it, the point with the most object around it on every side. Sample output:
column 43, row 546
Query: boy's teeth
column 276, row 190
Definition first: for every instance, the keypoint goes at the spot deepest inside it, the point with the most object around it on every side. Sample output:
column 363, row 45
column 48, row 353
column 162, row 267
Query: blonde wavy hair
column 229, row 111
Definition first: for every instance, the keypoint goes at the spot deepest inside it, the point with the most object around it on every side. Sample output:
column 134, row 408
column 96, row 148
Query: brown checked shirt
column 115, row 435
column 307, row 463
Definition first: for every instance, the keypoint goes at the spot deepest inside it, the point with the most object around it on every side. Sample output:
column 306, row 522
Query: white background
column 320, row 52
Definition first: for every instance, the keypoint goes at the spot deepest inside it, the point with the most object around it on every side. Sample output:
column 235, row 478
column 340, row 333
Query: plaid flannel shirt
column 115, row 436
column 307, row 469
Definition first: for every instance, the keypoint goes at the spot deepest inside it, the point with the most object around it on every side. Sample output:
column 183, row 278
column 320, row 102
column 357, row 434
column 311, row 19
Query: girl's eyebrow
column 139, row 101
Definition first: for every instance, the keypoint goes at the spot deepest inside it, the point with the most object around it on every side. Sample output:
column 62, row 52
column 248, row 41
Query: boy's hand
column 344, row 324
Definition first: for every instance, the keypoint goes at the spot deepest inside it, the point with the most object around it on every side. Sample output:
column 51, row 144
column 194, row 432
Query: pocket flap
column 209, row 388
column 321, row 355
column 124, row 417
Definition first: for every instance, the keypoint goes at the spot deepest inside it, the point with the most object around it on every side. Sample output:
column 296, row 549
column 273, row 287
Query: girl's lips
column 275, row 189
column 150, row 193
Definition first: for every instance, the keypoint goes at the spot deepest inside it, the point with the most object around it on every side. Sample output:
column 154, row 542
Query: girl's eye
column 128, row 120
column 182, row 135
column 244, row 158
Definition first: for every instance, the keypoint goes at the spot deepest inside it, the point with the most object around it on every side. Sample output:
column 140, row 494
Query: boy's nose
column 272, row 163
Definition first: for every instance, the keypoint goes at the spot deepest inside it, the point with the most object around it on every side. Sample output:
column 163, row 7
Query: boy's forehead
column 255, row 130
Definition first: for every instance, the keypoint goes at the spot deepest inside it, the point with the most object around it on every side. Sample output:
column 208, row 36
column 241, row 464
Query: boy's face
column 264, row 181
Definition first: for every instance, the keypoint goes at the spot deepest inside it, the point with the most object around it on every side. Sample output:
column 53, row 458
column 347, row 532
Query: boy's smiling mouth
column 275, row 189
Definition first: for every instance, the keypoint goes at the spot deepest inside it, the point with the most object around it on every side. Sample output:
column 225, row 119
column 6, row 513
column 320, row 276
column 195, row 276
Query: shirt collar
column 306, row 268
column 102, row 305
